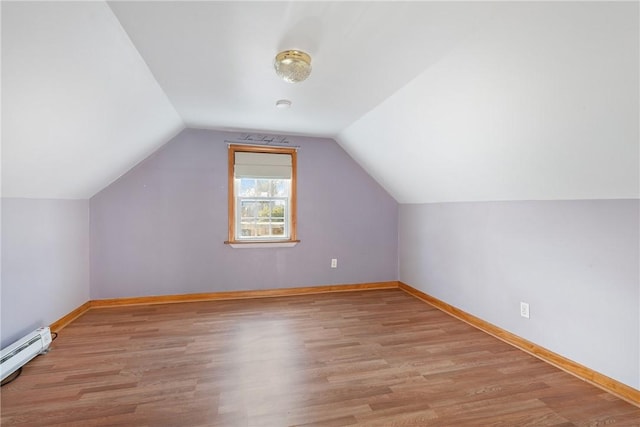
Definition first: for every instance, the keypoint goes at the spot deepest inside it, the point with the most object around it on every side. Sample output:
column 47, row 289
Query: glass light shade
column 293, row 66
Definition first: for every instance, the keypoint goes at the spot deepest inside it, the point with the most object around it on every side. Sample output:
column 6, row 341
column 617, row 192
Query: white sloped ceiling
column 438, row 101
column 79, row 105
column 540, row 104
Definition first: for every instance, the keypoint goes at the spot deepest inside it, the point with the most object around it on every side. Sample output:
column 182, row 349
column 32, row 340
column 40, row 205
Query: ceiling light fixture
column 283, row 104
column 293, row 66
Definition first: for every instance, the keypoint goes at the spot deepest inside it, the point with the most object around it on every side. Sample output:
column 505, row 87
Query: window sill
column 263, row 244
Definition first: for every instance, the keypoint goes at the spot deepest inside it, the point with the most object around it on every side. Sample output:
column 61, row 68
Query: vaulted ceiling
column 438, row 101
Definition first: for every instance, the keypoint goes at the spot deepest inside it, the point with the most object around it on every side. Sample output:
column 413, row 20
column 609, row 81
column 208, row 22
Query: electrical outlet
column 524, row 309
column 334, row 262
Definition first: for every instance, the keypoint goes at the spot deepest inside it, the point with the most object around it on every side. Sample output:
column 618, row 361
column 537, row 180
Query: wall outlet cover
column 524, row 310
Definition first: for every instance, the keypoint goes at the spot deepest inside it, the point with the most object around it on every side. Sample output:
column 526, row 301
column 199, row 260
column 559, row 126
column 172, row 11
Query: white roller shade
column 262, row 165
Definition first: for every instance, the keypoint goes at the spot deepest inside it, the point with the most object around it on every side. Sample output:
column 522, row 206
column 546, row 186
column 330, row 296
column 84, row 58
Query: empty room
column 316, row 213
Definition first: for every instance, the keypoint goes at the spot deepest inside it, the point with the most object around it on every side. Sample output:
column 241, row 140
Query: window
column 262, row 195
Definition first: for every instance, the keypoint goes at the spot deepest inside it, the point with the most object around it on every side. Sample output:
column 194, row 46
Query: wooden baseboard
column 230, row 295
column 610, row 385
column 65, row 320
column 213, row 296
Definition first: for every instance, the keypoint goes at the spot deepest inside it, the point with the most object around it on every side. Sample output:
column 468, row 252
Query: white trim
column 255, row 245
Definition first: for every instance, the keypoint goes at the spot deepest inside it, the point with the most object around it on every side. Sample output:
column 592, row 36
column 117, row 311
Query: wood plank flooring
column 370, row 358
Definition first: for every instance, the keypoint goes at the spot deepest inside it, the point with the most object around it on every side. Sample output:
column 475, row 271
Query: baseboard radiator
column 22, row 351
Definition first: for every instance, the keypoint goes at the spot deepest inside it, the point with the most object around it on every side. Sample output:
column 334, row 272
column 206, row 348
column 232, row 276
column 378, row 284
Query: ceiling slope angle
column 79, row 105
column 215, row 59
column 516, row 113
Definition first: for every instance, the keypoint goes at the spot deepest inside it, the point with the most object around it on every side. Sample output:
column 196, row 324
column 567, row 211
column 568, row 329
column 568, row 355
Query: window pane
column 249, row 210
column 264, row 214
column 262, row 187
column 277, row 210
column 282, row 187
column 247, row 186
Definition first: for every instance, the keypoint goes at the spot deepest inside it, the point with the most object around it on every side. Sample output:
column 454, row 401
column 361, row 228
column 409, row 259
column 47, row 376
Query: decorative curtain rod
column 229, row 143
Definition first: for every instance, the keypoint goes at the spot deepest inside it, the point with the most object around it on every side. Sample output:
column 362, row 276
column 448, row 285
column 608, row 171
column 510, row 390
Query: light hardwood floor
column 374, row 358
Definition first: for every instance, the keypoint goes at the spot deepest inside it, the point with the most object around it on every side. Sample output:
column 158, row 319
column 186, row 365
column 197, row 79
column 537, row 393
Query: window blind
column 262, row 165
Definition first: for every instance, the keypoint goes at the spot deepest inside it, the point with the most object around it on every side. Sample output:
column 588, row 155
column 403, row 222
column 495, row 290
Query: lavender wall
column 577, row 263
column 160, row 228
column 45, row 262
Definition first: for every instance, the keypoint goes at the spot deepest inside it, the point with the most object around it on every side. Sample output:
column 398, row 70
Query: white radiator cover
column 20, row 352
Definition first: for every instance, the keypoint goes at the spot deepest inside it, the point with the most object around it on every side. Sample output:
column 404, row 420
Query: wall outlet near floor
column 524, row 309
column 334, row 262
